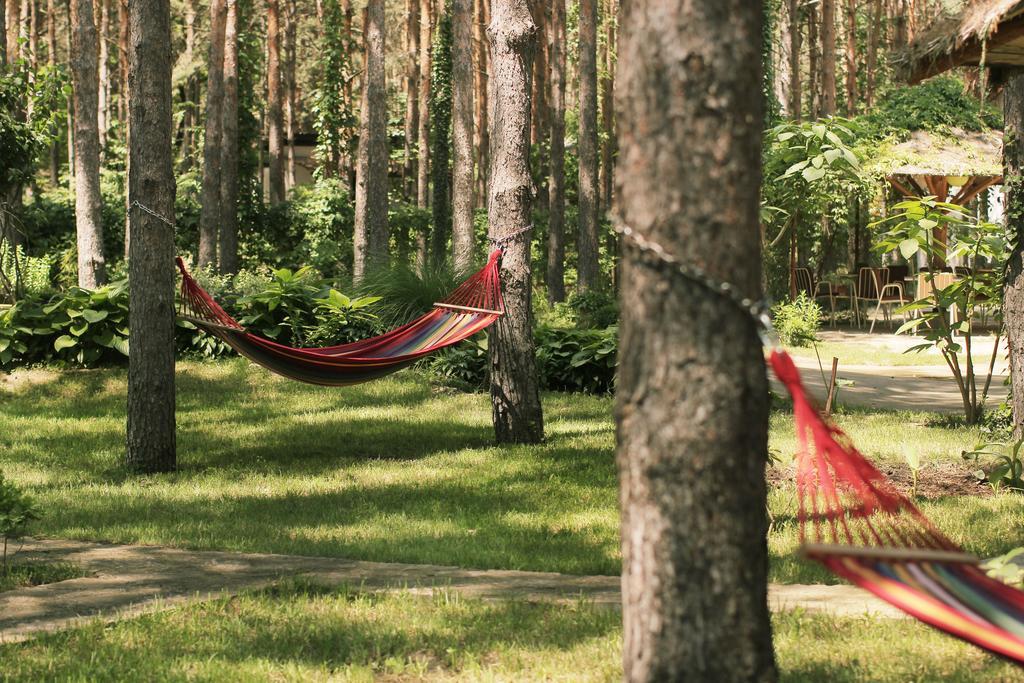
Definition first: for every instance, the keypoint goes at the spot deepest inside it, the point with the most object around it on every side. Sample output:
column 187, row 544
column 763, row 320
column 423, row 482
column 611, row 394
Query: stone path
column 127, row 580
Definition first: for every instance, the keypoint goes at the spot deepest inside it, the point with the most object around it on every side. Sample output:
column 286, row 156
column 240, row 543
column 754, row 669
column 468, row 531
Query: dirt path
column 127, row 580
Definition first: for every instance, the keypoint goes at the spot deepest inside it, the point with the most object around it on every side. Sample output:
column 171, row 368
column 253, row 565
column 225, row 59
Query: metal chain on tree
column 655, row 254
column 137, row 205
column 505, row 240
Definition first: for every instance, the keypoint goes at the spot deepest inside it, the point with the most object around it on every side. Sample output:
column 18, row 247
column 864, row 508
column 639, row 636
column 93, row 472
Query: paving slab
column 128, row 580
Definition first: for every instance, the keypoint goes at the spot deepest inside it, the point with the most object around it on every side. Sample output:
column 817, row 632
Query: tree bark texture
column 587, row 265
column 828, row 57
column 88, row 203
column 555, row 275
column 440, row 136
column 515, row 394
column 228, row 236
column 151, row 439
column 871, row 67
column 412, row 103
column 275, row 106
column 1013, row 184
column 291, row 99
column 480, row 100
column 692, row 396
column 607, row 104
column 51, row 60
column 851, row 57
column 371, row 223
column 795, row 94
column 3, row 32
column 463, row 245
column 210, row 210
column 423, row 134
column 103, row 110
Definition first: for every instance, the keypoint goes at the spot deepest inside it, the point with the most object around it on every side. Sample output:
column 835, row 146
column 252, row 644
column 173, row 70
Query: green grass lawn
column 396, row 470
column 303, row 632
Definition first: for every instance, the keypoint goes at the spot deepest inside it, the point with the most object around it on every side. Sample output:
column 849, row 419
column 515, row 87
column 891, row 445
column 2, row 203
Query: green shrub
column 27, row 275
column 797, row 322
column 324, row 216
column 463, row 366
column 406, row 294
column 594, row 309
column 17, row 511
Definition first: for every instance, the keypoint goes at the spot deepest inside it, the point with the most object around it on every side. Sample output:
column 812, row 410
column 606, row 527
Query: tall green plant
column 334, row 120
column 441, row 133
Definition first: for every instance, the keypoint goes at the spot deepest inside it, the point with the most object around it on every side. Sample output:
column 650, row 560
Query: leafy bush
column 937, row 103
column 1004, row 462
column 17, row 511
column 594, row 309
column 25, row 275
column 797, row 322
column 406, row 294
column 463, row 366
column 324, row 215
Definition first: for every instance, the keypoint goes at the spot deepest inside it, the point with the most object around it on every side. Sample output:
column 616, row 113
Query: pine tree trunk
column 423, row 134
column 51, row 60
column 3, row 32
column 587, row 267
column 692, row 396
column 291, row 95
column 371, row 223
column 607, row 104
column 851, row 57
column 1013, row 293
column 275, row 106
column 13, row 23
column 462, row 135
column 555, row 275
column 515, row 395
column 211, row 211
column 103, row 111
column 228, row 236
column 480, row 84
column 440, row 136
column 795, row 94
column 828, row 57
column 70, row 101
column 190, row 114
column 412, row 103
column 813, row 64
column 151, row 439
column 122, row 64
column 872, row 58
column 88, row 204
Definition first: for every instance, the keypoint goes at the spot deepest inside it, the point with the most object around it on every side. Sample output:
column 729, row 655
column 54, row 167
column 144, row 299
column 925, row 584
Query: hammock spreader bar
column 855, row 522
column 472, row 307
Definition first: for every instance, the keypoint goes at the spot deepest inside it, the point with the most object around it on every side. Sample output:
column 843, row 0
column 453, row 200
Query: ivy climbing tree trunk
column 555, row 275
column 587, row 267
column 462, row 135
column 210, row 211
column 692, row 396
column 515, row 395
column 480, row 84
column 412, row 104
column 51, row 60
column 371, row 223
column 151, row 439
column 441, row 136
column 228, row 237
column 1013, row 294
column 88, row 203
column 275, row 106
column 423, row 134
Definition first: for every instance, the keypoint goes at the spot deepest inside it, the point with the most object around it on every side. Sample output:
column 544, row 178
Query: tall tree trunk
column 795, row 95
column 423, row 137
column 88, row 204
column 275, row 106
column 587, row 266
column 851, row 57
column 874, row 29
column 515, row 395
column 190, row 114
column 480, row 85
column 151, row 440
column 813, row 64
column 210, row 211
column 51, row 60
column 371, row 226
column 828, row 57
column 70, row 101
column 440, row 135
column 692, row 398
column 122, row 64
column 555, row 275
column 462, row 135
column 228, row 244
column 103, row 111
column 291, row 89
column 412, row 103
column 1013, row 294
column 13, row 26
column 3, row 32
column 607, row 105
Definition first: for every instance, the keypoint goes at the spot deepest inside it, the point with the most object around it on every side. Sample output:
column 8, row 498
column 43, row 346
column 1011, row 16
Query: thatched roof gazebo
column 984, row 31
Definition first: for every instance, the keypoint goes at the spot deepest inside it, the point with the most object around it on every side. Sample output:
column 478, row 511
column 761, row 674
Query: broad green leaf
column 64, row 342
column 811, row 174
column 94, row 316
column 927, row 223
column 908, row 248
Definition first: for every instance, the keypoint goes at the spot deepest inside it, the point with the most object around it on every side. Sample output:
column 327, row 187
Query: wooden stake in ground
column 151, row 440
column 831, row 387
column 515, row 394
column 692, row 394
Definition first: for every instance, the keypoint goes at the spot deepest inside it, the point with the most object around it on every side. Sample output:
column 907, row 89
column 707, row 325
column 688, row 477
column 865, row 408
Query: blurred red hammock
column 856, row 523
column 472, row 307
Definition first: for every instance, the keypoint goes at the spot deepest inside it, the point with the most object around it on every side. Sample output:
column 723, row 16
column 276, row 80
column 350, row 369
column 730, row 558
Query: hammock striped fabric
column 472, row 307
column 855, row 522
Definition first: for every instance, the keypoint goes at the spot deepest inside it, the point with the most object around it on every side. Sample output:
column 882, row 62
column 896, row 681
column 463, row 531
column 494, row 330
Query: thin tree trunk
column 412, row 103
column 423, row 137
column 151, row 439
column 275, row 106
column 122, row 63
column 872, row 58
column 851, row 57
column 607, row 105
column 189, row 117
column 693, row 494
column 587, row 267
column 463, row 242
column 828, row 57
column 1013, row 294
column 228, row 244
column 291, row 89
column 210, row 211
column 103, row 110
column 88, row 203
column 813, row 64
column 795, row 94
column 3, row 32
column 371, row 223
column 13, row 27
column 515, row 395
column 440, row 136
column 555, row 275
column 480, row 84
column 51, row 60
column 70, row 101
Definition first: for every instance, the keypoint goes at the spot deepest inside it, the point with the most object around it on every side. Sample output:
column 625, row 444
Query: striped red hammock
column 855, row 522
column 472, row 307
